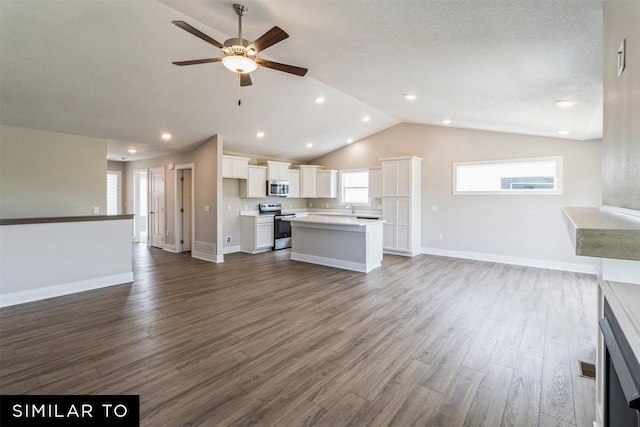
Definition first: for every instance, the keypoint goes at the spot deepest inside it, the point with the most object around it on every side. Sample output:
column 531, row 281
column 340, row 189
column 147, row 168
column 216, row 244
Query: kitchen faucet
column 353, row 210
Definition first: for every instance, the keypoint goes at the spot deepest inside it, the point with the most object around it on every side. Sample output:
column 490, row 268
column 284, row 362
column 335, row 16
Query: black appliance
column 621, row 376
column 281, row 224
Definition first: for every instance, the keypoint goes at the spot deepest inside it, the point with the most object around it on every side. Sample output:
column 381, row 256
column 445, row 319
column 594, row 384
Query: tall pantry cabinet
column 401, row 177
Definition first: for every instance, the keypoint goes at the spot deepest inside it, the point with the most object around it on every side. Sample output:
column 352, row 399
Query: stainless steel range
column 281, row 224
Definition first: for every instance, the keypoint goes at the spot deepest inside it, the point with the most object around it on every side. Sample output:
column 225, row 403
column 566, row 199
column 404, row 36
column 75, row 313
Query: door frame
column 178, row 231
column 162, row 216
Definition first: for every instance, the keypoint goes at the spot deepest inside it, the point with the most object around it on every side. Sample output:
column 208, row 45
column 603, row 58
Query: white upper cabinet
column 234, row 167
column 256, row 183
column 294, row 183
column 399, row 176
column 278, row 171
column 327, row 184
column 375, row 183
column 309, row 181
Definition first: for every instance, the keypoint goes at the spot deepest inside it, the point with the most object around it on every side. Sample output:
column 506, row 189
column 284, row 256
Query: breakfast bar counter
column 342, row 242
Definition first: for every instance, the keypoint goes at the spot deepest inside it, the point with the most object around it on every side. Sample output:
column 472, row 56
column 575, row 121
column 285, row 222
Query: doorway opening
column 141, row 205
column 185, row 211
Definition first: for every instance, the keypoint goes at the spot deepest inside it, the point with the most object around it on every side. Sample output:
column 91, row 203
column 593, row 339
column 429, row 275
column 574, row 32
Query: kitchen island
column 342, row 242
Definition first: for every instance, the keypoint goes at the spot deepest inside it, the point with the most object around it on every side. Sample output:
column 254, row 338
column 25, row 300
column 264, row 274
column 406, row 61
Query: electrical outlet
column 441, row 236
column 167, row 232
column 434, row 208
column 96, row 210
column 228, row 239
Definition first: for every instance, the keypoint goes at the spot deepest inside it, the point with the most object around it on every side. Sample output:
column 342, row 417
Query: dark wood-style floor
column 263, row 340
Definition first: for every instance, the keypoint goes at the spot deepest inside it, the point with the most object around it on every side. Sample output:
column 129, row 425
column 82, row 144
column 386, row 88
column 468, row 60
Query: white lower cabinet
column 397, row 229
column 256, row 234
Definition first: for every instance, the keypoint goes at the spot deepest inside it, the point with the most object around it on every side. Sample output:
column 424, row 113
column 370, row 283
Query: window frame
column 557, row 191
column 118, row 192
column 342, row 187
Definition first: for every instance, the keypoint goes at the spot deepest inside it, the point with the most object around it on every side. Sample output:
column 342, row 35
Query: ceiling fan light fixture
column 239, row 64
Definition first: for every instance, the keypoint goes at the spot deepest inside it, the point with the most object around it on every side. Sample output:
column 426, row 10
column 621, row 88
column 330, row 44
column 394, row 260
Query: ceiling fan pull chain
column 239, row 87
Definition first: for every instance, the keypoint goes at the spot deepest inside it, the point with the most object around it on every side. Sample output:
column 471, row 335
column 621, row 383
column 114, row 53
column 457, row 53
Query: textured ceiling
column 103, row 69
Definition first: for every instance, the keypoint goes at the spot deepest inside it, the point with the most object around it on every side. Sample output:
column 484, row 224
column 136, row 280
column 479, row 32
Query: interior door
column 185, row 212
column 156, row 213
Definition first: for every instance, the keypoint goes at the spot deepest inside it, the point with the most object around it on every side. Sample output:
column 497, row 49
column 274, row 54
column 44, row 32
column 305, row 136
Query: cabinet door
column 403, row 224
column 389, row 179
column 264, row 235
column 294, row 183
column 388, row 228
column 257, row 181
column 227, row 167
column 403, row 178
column 375, row 183
column 308, row 181
column 327, row 184
column 239, row 168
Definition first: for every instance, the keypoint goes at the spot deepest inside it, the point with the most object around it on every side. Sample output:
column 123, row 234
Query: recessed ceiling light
column 319, row 100
column 165, row 136
column 366, row 119
column 309, row 144
column 410, row 96
column 349, row 141
column 446, row 121
column 563, row 132
column 132, row 151
column 260, row 134
column 565, row 104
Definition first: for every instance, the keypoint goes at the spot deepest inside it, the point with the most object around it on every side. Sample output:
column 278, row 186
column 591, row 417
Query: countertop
column 49, row 220
column 603, row 233
column 316, row 213
column 336, row 220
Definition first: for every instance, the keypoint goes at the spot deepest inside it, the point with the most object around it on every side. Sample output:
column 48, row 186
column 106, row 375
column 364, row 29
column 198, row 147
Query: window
column 113, row 193
column 541, row 176
column 354, row 187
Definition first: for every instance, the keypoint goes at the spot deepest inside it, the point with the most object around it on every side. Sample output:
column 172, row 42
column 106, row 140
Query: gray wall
column 515, row 226
column 205, row 160
column 621, row 141
column 44, row 174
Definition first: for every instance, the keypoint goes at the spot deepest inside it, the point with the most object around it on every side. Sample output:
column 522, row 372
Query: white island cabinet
column 341, row 242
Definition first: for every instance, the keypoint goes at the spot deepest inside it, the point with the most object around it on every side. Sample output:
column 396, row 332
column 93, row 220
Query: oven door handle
column 629, row 388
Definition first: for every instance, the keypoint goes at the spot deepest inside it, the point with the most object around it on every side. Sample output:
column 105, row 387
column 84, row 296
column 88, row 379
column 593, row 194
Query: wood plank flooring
column 262, row 340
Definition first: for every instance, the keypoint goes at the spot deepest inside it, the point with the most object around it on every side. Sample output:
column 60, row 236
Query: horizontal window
column 540, row 176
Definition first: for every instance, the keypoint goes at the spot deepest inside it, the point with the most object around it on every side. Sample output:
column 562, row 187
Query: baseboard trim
column 207, row 257
column 331, row 262
column 169, row 248
column 503, row 259
column 31, row 295
column 230, row 249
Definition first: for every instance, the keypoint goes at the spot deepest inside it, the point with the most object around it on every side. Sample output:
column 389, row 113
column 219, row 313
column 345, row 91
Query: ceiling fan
column 240, row 54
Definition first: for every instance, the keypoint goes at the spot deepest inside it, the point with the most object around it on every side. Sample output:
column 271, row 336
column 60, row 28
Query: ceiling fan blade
column 188, row 28
column 198, row 61
column 271, row 37
column 245, row 79
column 298, row 71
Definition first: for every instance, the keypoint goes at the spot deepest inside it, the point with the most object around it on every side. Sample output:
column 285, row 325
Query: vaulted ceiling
column 104, row 69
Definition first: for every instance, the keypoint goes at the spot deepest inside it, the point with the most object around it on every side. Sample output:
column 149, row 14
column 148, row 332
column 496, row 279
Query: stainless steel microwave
column 278, row 188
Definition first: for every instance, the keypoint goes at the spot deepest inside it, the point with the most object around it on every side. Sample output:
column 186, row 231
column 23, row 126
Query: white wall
column 529, row 228
column 47, row 174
